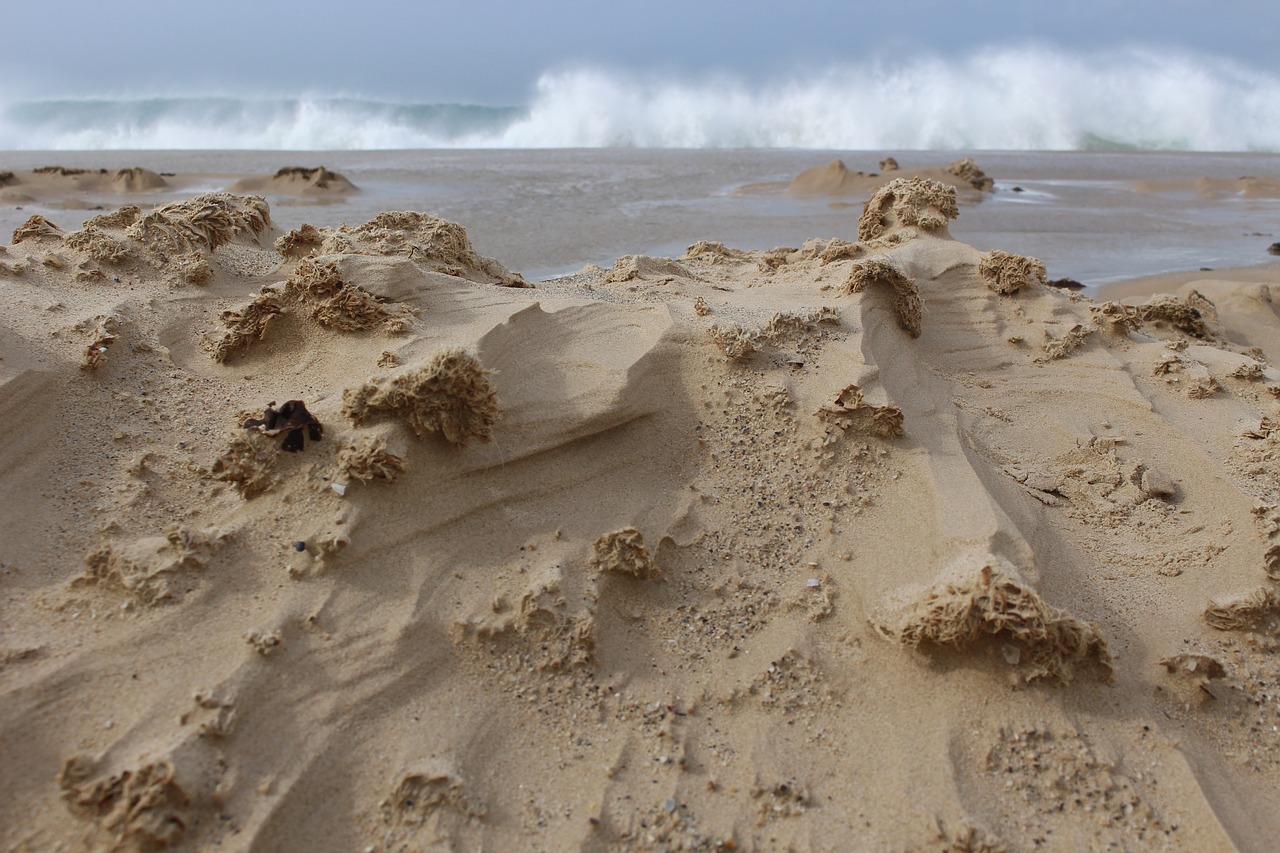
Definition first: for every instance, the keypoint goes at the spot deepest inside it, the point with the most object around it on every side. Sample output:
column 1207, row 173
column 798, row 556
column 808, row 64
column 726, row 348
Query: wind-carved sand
column 875, row 538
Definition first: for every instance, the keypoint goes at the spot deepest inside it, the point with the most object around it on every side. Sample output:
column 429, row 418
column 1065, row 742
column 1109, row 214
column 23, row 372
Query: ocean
column 1004, row 98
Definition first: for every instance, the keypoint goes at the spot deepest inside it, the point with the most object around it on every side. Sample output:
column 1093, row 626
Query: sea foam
column 1026, row 99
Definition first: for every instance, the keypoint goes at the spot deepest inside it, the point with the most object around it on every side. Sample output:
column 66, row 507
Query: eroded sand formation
column 873, row 544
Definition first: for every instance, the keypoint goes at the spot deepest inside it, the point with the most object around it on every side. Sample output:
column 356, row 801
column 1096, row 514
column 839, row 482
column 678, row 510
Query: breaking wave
column 1030, row 99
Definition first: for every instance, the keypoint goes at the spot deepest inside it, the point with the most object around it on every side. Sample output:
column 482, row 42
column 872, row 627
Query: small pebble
column 339, row 488
column 299, row 546
column 813, row 583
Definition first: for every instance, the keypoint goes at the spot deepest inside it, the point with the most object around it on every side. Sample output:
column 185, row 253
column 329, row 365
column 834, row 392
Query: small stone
column 299, row 546
column 669, row 804
column 339, row 488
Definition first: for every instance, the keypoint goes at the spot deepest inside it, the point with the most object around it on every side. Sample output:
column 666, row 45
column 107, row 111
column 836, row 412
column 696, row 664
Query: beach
column 639, row 500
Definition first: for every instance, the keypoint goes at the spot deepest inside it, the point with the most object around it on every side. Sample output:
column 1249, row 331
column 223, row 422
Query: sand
column 350, row 539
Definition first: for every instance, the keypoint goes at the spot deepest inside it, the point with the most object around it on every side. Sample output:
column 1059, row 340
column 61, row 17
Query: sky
column 493, row 51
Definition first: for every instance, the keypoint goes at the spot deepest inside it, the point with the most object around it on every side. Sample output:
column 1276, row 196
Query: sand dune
column 873, row 543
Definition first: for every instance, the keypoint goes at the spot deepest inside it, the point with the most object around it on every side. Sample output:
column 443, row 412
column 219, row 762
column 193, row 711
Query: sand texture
column 352, row 539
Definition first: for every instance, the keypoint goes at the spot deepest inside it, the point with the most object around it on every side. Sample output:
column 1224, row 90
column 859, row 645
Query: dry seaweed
column 201, row 224
column 369, row 460
column 341, row 304
column 450, row 394
column 967, row 170
column 851, row 413
column 959, row 611
column 1182, row 315
column 300, row 242
column 908, row 201
column 242, row 326
column 734, row 341
column 142, row 808
column 99, row 246
column 1248, row 611
column 1005, row 272
column 906, row 296
column 623, row 551
column 248, row 464
column 36, row 228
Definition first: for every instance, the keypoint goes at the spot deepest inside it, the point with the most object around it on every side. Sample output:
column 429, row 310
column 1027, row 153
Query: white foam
column 1025, row 99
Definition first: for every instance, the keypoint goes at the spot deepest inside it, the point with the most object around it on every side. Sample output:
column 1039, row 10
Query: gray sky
column 492, row 51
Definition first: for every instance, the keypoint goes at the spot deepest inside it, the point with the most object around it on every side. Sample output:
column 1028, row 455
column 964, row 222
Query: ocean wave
column 1025, row 99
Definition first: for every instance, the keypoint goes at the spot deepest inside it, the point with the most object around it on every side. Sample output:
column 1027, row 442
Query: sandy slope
column 872, row 545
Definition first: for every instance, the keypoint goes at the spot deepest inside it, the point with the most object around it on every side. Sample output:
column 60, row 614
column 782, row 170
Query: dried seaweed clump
column 120, row 218
column 145, row 568
column 838, row 250
column 906, row 296
column 1256, row 610
column 908, row 201
column 242, row 326
column 36, row 228
column 967, row 170
column 1055, row 348
column 201, row 224
column 734, row 341
column 300, row 242
column 1183, row 315
column 632, row 267
column 291, row 420
column 419, row 795
column 450, row 394
column 783, row 326
column 624, row 551
column 104, row 335
column 98, row 245
column 341, row 304
column 369, row 460
column 851, row 413
column 142, row 809
column 709, row 251
column 1118, row 317
column 990, row 603
column 248, row 463
column 1005, row 272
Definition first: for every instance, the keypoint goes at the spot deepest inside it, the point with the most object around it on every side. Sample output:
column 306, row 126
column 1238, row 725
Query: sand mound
column 298, row 181
column 969, row 605
column 137, row 179
column 837, row 179
column 925, row 204
column 449, row 394
column 433, row 243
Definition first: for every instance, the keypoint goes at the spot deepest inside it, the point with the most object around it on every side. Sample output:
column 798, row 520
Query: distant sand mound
column 837, row 179
column 298, row 181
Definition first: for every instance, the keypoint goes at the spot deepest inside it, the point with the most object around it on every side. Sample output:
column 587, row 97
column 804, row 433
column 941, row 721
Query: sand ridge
column 873, row 543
